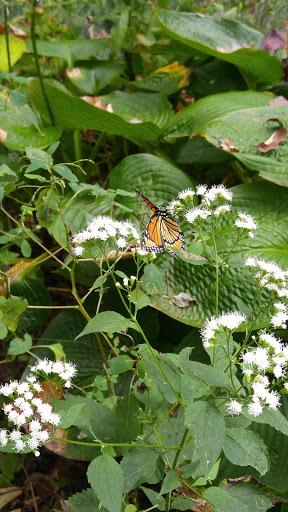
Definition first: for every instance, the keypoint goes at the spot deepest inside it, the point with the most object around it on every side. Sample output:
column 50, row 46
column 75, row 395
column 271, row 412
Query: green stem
column 77, row 145
column 130, row 445
column 174, row 465
column 7, row 34
column 33, row 39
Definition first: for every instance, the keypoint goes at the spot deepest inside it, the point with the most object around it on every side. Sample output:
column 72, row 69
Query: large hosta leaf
column 72, row 50
column 168, row 276
column 167, row 80
column 226, row 39
column 20, row 127
column 248, row 128
column 71, row 113
column 156, row 177
column 16, row 49
column 189, row 120
column 93, row 77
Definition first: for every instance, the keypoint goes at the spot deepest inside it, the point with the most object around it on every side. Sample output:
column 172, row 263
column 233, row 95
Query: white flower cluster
column 24, row 409
column 142, row 252
column 230, row 321
column 207, row 197
column 66, row 371
column 103, row 228
column 270, row 276
column 246, row 222
column 126, row 281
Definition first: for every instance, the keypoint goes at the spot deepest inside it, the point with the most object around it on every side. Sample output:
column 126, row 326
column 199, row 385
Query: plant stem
column 7, row 34
column 33, row 40
column 130, row 445
column 168, row 495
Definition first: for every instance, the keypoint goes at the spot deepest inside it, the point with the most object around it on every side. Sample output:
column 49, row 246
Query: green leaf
column 135, row 170
column 243, row 447
column 12, row 309
column 272, row 417
column 106, row 479
column 99, row 282
column 47, row 207
column 167, row 80
column 255, row 128
column 154, row 498
column 153, row 371
column 190, row 257
column 21, row 128
column 129, row 426
column 244, row 497
column 65, row 172
column 170, row 482
column 18, row 346
column 139, row 298
column 16, row 50
column 120, row 364
column 26, row 248
column 118, row 32
column 207, row 427
column 141, row 465
column 189, row 120
column 71, row 113
column 207, row 373
column 93, row 77
column 219, row 38
column 139, row 107
column 72, row 50
column 57, row 350
column 78, row 415
column 107, row 321
column 84, row 501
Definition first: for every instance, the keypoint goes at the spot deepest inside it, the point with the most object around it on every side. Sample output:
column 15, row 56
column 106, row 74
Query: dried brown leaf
column 3, row 136
column 14, row 31
column 280, row 100
column 272, row 41
column 227, row 145
column 182, row 300
column 278, row 136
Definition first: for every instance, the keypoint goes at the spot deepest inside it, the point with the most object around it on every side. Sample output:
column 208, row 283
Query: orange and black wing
column 151, row 205
column 171, row 235
column 152, row 240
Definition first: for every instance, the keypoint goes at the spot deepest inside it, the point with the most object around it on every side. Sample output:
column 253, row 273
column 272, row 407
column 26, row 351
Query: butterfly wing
column 171, row 234
column 152, row 240
column 151, row 205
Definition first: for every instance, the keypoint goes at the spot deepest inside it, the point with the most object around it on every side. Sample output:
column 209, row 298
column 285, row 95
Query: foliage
column 181, row 381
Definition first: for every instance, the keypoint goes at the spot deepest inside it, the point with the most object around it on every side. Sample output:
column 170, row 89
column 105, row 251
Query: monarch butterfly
column 161, row 230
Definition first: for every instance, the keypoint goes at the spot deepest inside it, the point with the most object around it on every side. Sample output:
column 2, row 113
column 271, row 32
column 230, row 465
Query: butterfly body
column 162, row 231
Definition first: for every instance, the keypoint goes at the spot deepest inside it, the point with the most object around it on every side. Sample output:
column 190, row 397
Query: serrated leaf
column 106, row 479
column 170, row 482
column 245, row 448
column 57, row 350
column 65, row 172
column 84, row 501
column 207, row 427
column 120, row 364
column 207, row 373
column 47, row 207
column 246, row 498
column 12, row 309
column 107, row 321
column 129, row 426
column 141, row 465
column 99, row 282
column 139, row 298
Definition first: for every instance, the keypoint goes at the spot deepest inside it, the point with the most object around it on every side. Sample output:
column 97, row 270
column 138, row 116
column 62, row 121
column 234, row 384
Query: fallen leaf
column 280, row 100
column 226, row 145
column 278, row 136
column 14, row 31
column 272, row 41
column 3, row 136
column 96, row 102
column 182, row 300
column 8, row 496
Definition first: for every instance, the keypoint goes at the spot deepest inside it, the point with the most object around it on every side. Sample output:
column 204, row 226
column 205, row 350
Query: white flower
column 231, row 320
column 245, row 221
column 133, row 278
column 125, row 281
column 279, row 320
column 117, row 284
column 104, row 227
column 3, row 437
column 250, row 234
column 286, row 386
column 173, row 206
column 249, row 357
column 22, row 388
column 217, row 192
column 279, row 306
column 272, row 341
column 34, row 426
column 260, row 390
column 278, row 371
column 201, row 190
column 234, row 407
column 121, row 243
column 222, row 209
column 250, row 262
column 273, row 400
column 209, row 329
column 186, row 193
column 195, row 213
column 261, row 358
column 255, row 408
column 77, row 251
